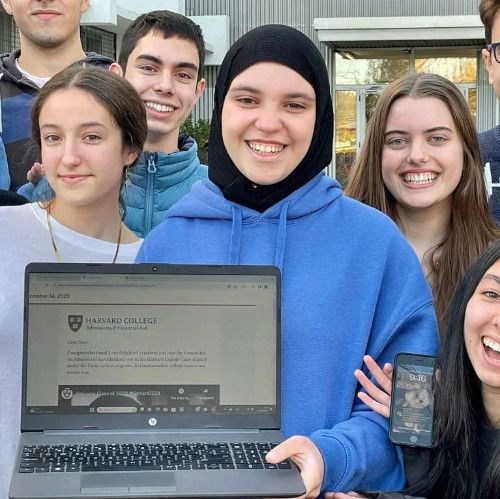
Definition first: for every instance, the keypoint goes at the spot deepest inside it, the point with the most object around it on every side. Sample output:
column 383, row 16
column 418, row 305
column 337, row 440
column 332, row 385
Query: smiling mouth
column 160, row 108
column 72, row 179
column 419, row 178
column 492, row 348
column 265, row 149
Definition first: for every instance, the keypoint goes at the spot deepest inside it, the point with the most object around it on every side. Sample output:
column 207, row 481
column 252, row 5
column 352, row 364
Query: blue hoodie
column 351, row 286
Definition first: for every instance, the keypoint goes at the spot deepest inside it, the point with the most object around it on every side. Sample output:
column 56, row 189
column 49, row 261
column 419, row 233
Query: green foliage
column 200, row 131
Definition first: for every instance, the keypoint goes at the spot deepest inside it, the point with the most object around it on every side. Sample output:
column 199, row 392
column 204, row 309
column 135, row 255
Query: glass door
column 345, row 132
column 353, row 109
column 371, row 97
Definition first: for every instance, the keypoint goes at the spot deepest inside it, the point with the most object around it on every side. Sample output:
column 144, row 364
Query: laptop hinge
column 184, row 431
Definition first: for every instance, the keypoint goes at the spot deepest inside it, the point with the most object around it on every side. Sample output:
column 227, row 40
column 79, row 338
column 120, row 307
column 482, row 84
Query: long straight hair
column 471, row 227
column 458, row 407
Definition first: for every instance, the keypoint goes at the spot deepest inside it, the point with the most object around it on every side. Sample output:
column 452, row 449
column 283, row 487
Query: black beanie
column 287, row 46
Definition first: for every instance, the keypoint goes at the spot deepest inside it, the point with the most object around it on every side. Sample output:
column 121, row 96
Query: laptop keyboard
column 146, row 457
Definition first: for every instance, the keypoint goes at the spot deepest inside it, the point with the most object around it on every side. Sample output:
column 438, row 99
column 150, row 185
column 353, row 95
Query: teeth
column 162, row 108
column 265, row 149
column 419, row 178
column 492, row 344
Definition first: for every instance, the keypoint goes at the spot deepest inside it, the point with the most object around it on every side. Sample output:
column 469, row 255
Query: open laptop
column 151, row 381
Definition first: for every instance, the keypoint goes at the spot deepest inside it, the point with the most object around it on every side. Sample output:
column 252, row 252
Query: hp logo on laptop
column 152, row 421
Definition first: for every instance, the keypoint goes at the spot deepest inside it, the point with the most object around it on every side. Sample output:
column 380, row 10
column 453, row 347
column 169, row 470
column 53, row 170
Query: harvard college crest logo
column 75, row 322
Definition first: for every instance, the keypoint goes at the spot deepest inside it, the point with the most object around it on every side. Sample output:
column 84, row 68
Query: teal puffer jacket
column 157, row 181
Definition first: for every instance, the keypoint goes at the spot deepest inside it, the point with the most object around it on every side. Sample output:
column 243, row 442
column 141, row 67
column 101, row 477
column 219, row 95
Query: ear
column 486, row 55
column 85, row 6
column 129, row 156
column 116, row 69
column 200, row 86
column 7, row 7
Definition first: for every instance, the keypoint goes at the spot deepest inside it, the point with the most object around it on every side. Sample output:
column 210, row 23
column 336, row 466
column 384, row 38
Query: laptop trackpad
column 135, row 481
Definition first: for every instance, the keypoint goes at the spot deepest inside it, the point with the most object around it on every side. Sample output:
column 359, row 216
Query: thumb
column 278, row 454
column 284, row 450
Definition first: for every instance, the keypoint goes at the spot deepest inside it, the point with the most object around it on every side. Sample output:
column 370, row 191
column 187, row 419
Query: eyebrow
column 82, row 125
column 253, row 90
column 493, row 277
column 430, row 130
column 157, row 60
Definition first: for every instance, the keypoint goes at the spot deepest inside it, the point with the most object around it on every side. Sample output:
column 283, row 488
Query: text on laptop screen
column 130, row 343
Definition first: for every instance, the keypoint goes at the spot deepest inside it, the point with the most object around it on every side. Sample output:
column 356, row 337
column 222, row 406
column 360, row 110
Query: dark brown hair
column 471, row 227
column 487, row 13
column 113, row 92
column 166, row 24
column 459, row 412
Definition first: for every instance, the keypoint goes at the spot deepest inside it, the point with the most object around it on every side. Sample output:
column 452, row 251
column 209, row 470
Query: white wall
column 105, row 12
column 116, row 15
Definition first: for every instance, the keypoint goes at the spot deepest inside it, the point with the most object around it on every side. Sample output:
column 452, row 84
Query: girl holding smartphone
column 465, row 459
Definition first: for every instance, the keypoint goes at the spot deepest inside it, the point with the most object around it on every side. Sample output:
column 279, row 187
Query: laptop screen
column 150, row 343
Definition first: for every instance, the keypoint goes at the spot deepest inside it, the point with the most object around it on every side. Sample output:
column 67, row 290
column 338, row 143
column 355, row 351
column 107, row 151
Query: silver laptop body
column 151, row 381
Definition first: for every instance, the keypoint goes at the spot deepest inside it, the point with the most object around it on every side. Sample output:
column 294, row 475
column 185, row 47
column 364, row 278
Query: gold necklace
column 56, row 251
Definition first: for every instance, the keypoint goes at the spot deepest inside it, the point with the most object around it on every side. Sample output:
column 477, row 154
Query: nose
column 71, row 156
column 164, row 83
column 268, row 119
column 417, row 154
column 496, row 317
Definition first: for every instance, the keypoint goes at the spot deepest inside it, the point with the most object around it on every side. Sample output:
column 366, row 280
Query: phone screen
column 412, row 400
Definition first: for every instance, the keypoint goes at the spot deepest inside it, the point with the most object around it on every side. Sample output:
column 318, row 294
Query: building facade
column 366, row 44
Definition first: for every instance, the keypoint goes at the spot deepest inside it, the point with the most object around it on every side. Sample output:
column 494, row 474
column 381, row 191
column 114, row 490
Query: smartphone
column 411, row 418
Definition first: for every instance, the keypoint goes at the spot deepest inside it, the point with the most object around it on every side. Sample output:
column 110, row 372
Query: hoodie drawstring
column 279, row 251
column 235, row 245
column 236, row 228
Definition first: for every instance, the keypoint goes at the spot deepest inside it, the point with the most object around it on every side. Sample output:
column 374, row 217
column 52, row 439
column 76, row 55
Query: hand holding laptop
column 306, row 456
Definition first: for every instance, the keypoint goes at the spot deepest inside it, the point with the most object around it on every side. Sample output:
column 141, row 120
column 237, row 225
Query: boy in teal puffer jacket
column 162, row 55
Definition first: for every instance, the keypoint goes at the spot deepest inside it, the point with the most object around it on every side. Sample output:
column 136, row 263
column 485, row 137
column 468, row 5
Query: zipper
column 152, row 158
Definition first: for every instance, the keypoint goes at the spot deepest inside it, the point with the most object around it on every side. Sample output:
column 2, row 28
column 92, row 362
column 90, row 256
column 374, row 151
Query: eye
column 489, row 293
column 147, row 68
column 51, row 138
column 184, row 76
column 396, row 142
column 438, row 139
column 246, row 101
column 92, row 137
column 296, row 106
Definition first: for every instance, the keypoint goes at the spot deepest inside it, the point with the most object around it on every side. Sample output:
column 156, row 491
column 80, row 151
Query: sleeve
column 357, row 452
column 361, row 444
column 388, row 495
column 4, row 168
column 39, row 192
column 416, row 464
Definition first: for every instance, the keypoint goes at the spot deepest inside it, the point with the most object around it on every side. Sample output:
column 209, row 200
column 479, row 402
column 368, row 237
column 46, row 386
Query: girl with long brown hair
column 420, row 164
column 89, row 126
